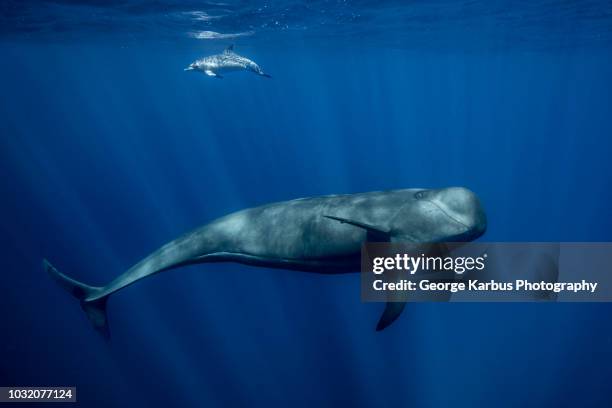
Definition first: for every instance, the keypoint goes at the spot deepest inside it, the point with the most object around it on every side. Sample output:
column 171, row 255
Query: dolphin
column 227, row 61
column 318, row 234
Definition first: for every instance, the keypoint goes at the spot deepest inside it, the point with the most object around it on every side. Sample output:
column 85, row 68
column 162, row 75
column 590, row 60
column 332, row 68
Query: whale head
column 452, row 214
column 191, row 67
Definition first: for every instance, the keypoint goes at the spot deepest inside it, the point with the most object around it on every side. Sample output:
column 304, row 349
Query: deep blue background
column 109, row 150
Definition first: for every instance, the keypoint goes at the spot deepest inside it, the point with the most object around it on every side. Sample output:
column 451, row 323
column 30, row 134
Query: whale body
column 227, row 61
column 319, row 234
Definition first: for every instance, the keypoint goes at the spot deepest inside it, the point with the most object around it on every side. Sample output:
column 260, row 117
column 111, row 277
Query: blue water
column 109, row 149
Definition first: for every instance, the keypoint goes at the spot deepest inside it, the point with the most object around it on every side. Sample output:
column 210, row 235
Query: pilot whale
column 319, row 234
column 227, row 61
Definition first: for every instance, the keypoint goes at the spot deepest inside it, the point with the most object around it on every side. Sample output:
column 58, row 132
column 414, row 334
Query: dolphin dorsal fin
column 229, row 49
column 374, row 233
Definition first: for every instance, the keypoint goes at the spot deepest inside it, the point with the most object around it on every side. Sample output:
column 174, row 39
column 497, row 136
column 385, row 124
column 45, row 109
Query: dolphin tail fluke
column 94, row 309
column 266, row 75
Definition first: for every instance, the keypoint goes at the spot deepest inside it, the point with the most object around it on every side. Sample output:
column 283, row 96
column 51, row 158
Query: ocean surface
column 109, row 149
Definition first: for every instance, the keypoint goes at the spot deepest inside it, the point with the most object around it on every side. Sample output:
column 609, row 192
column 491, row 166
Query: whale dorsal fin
column 374, row 233
column 229, row 49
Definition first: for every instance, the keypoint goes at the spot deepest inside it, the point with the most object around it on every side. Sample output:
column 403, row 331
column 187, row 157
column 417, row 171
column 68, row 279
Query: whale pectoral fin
column 390, row 314
column 375, row 234
column 396, row 301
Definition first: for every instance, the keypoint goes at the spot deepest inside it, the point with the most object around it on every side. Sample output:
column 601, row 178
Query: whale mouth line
column 467, row 228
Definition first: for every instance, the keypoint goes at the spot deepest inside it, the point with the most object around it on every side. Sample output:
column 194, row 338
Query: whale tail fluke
column 94, row 309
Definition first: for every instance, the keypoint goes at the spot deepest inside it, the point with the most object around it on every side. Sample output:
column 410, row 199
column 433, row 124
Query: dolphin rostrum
column 320, row 234
column 227, row 61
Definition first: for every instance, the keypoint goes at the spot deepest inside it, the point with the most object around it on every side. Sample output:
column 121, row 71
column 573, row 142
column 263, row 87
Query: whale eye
column 420, row 195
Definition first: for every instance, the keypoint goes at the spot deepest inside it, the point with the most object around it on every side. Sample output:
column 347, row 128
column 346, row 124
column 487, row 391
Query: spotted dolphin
column 319, row 234
column 227, row 61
